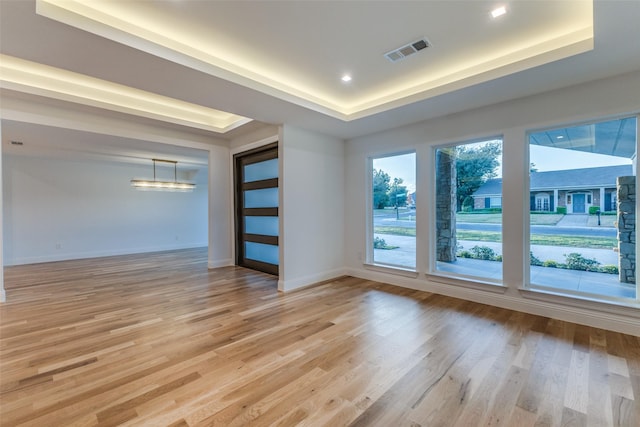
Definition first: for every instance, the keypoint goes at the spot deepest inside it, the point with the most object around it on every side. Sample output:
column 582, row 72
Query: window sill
column 630, row 307
column 391, row 269
column 471, row 283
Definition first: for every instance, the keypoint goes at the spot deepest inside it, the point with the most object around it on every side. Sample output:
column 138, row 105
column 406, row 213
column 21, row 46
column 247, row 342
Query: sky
column 403, row 166
column 544, row 158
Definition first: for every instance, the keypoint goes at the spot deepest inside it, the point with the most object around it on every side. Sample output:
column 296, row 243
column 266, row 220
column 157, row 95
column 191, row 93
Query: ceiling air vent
column 407, row 50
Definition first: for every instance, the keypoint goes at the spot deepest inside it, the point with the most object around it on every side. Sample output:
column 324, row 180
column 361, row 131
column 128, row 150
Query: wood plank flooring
column 159, row 340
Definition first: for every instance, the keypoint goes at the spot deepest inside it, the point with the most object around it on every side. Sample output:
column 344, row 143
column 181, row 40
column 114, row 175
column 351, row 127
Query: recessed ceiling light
column 499, row 11
column 346, row 78
column 559, row 137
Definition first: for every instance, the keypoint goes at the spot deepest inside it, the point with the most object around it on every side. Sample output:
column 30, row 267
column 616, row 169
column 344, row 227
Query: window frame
column 369, row 260
column 449, row 278
column 537, row 291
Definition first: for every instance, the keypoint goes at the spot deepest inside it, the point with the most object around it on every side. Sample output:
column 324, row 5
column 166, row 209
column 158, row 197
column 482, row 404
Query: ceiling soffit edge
column 89, row 17
column 38, row 79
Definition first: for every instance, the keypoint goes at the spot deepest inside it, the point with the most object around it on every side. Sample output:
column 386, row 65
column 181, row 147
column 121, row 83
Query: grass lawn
column 544, row 239
column 605, row 220
column 395, row 231
column 496, row 218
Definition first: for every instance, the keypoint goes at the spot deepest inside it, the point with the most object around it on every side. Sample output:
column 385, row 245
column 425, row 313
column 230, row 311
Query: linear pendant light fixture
column 175, row 185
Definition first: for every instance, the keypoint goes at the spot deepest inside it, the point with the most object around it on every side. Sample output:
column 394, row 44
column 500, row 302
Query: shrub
column 482, row 211
column 379, row 243
column 609, row 269
column 483, row 252
column 594, row 210
column 464, row 254
column 498, row 258
column 467, row 204
column 550, row 263
column 533, row 260
column 561, row 210
column 576, row 261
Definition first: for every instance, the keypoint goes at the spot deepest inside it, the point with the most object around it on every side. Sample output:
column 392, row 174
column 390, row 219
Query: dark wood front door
column 257, row 224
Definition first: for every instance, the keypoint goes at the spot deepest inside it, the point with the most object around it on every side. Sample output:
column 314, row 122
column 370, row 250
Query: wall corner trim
column 285, row 285
column 220, row 263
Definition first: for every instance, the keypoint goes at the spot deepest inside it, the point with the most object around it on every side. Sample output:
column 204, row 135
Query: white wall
column 311, row 209
column 56, row 209
column 220, row 208
column 597, row 100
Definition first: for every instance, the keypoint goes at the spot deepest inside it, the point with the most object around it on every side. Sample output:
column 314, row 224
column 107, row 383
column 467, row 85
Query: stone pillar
column 446, row 244
column 626, row 205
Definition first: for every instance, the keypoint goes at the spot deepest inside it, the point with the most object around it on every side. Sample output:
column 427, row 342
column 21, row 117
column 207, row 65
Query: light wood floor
column 159, row 340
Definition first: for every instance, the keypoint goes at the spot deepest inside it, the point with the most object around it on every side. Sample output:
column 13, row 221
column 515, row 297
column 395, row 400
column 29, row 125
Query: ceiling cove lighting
column 175, row 185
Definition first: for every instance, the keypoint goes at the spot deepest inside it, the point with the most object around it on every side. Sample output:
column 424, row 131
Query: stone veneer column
column 626, row 188
column 446, row 205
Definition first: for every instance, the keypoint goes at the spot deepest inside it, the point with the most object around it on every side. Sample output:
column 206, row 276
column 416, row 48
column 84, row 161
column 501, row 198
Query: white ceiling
column 281, row 61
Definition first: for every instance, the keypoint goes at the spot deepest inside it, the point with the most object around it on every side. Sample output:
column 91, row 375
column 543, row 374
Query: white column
column 601, row 199
column 220, row 208
column 555, row 200
column 514, row 210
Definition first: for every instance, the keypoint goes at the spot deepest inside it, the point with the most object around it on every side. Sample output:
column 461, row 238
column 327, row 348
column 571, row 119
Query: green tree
column 397, row 193
column 474, row 166
column 381, row 181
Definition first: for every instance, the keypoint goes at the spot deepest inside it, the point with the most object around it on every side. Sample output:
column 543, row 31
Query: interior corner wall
column 312, row 208
column 58, row 209
column 220, row 208
column 3, row 296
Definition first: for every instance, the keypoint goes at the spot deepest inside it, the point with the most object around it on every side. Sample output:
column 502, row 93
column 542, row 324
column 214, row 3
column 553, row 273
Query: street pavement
column 572, row 230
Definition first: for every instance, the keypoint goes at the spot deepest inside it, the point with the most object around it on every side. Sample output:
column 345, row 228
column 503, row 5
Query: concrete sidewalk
column 571, row 280
column 407, row 248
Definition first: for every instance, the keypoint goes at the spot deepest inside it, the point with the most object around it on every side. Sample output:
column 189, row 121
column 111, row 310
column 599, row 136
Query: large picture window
column 468, row 210
column 582, row 213
column 393, row 196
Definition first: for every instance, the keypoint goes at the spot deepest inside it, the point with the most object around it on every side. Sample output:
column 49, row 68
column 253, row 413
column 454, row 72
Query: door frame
column 265, row 152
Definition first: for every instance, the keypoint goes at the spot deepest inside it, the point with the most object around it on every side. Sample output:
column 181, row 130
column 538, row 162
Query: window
column 587, row 246
column 468, row 233
column 542, row 202
column 393, row 238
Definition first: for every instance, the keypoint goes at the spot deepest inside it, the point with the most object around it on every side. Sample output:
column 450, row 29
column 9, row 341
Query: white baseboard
column 96, row 254
column 286, row 285
column 625, row 320
column 220, row 263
